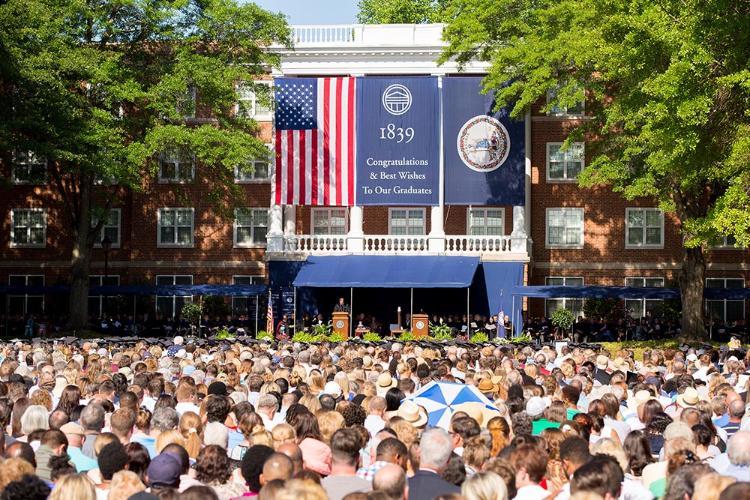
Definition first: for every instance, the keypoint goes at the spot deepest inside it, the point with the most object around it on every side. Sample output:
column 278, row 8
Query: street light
column 106, row 246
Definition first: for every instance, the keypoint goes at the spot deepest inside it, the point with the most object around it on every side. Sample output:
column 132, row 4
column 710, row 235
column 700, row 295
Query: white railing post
column 518, row 236
column 275, row 236
column 355, row 238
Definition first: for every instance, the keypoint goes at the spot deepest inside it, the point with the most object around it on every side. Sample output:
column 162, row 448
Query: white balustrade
column 467, row 244
column 310, row 243
column 499, row 247
column 321, row 35
column 392, row 244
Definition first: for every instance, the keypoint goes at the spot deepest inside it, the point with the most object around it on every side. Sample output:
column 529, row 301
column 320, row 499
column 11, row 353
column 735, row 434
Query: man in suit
column 435, row 449
column 341, row 306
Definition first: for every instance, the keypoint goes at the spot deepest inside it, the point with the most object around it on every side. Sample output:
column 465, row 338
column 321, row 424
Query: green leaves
column 399, row 11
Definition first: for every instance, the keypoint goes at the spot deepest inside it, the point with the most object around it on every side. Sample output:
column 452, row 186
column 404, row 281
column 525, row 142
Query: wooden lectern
column 341, row 324
column 420, row 325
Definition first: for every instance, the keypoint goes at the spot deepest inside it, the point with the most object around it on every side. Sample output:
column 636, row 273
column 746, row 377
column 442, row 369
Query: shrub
column 479, row 338
column 224, row 334
column 336, row 337
column 441, row 332
column 371, row 337
column 563, row 318
column 406, row 336
column 191, row 313
column 264, row 335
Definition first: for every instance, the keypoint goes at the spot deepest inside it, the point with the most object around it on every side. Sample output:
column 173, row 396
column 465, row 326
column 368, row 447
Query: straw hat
column 486, row 385
column 638, row 399
column 477, row 411
column 689, row 398
column 385, row 382
column 412, row 413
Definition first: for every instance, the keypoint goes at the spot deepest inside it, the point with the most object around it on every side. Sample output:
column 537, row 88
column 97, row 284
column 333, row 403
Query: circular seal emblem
column 396, row 99
column 483, row 143
column 340, row 324
column 419, row 325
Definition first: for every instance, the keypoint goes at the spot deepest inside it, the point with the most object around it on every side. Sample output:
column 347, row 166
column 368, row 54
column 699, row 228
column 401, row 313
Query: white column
column 355, row 239
column 275, row 236
column 522, row 214
column 518, row 236
column 290, row 220
column 436, row 237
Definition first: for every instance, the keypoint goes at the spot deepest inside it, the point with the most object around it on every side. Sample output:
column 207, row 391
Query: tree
column 666, row 86
column 399, row 11
column 101, row 89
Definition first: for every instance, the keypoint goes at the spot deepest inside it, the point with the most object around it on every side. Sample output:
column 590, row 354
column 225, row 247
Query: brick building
column 170, row 234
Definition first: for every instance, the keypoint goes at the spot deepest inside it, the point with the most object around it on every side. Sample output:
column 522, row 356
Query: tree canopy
column 101, row 89
column 667, row 92
column 400, row 11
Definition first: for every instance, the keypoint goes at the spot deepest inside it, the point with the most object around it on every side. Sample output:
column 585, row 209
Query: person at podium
column 341, row 306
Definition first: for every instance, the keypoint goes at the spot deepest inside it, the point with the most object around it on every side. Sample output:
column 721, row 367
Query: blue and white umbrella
column 441, row 400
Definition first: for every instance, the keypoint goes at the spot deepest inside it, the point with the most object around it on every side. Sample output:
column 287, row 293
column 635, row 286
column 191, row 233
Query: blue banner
column 398, row 141
column 484, row 150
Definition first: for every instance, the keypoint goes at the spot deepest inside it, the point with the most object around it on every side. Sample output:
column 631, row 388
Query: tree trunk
column 691, row 280
column 80, row 261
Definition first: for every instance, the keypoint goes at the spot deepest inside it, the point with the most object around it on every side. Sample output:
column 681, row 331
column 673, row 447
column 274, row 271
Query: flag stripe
column 315, row 158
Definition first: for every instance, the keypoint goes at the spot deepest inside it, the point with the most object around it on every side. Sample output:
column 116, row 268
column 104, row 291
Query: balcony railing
column 323, row 35
column 493, row 247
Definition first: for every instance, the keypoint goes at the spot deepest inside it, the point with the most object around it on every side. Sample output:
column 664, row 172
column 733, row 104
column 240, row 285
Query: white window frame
column 13, row 243
column 563, row 112
column 252, row 244
column 328, row 210
column 548, row 211
column 643, row 302
column 187, row 298
column 118, row 242
column 407, row 209
column 484, row 217
column 190, row 97
column 725, row 245
column 179, row 166
column 252, row 109
column 575, row 148
column 254, row 280
column 100, row 298
column 27, row 296
column 28, row 162
column 253, row 179
column 707, row 302
column 645, row 228
column 564, row 300
column 160, row 243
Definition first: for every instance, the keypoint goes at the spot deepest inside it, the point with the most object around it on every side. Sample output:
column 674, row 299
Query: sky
column 314, row 11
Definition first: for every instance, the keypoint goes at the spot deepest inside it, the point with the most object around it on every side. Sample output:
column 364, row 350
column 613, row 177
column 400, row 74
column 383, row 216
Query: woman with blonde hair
column 484, row 486
column 329, row 422
column 283, row 433
column 710, row 486
column 74, row 487
column 172, row 436
column 343, row 381
column 124, row 485
column 191, row 429
column 316, row 383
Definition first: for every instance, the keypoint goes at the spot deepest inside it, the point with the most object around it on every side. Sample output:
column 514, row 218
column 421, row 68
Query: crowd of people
column 177, row 419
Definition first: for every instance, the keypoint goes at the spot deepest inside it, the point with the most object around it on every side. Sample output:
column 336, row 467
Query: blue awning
column 181, row 290
column 386, row 271
column 597, row 292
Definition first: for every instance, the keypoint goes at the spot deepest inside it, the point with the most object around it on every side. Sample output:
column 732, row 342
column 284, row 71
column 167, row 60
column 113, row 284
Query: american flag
column 269, row 315
column 315, row 141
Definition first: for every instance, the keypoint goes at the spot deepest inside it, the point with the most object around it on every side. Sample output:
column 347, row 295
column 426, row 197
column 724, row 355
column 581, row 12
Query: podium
column 341, row 324
column 420, row 325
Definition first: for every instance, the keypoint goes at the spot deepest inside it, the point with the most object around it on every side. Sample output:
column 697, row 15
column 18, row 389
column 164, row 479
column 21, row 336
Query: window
column 100, row 305
column 186, row 103
column 29, row 227
column 639, row 308
column 406, row 221
column 246, row 306
column 28, row 168
column 565, row 227
column 176, row 165
column 486, row 221
column 253, row 170
column 725, row 311
column 170, row 306
column 175, row 227
column 574, row 305
column 564, row 165
column 255, row 105
column 250, row 227
column 556, row 110
column 644, row 227
column 26, row 304
column 725, row 242
column 329, row 221
column 110, row 229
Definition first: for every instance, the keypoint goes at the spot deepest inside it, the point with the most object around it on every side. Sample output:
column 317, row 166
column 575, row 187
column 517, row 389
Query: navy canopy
column 597, row 292
column 181, row 290
column 381, row 271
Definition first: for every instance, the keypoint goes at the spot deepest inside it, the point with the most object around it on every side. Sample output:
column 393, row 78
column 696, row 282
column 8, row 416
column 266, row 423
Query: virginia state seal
column 483, row 143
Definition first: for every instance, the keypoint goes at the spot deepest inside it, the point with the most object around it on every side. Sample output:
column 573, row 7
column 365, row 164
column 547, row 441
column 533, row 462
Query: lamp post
column 106, row 246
